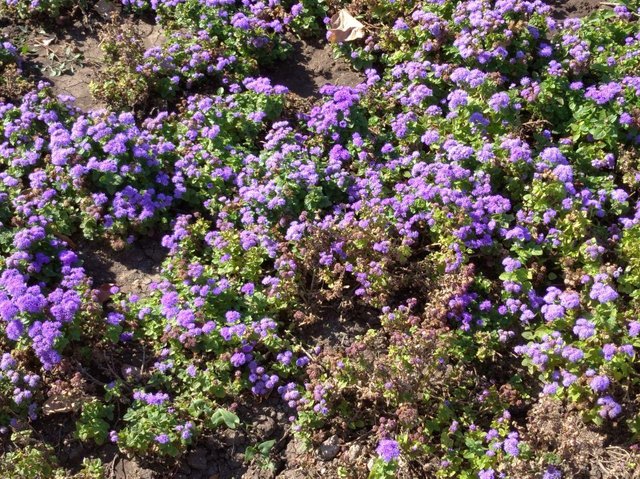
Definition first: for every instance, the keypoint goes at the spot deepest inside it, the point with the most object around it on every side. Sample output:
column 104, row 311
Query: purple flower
column 499, row 101
column 599, row 383
column 627, row 349
column 610, row 408
column 14, row 330
column 603, row 293
column 569, row 300
column 232, row 316
column 585, row 329
column 430, row 137
column 564, row 173
column 619, row 195
column 388, row 450
column 511, row 444
column 568, row 378
column 573, row 354
column 552, row 472
column 603, row 93
column 238, row 359
column 552, row 311
column 550, row 388
column 511, row 264
column 491, row 435
column 486, row 474
column 457, row 98
column 114, row 318
column 608, row 351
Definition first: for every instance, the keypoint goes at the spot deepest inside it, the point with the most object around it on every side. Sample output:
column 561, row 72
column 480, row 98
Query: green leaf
column 227, row 417
column 249, row 453
column 265, row 447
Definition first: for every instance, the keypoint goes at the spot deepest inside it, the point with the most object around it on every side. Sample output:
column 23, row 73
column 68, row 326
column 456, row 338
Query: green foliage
column 44, row 10
column 118, row 83
column 260, row 454
column 31, row 460
column 383, row 470
column 222, row 416
column 92, row 424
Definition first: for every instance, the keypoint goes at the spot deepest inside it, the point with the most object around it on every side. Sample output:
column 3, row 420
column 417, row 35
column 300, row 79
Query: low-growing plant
column 429, row 270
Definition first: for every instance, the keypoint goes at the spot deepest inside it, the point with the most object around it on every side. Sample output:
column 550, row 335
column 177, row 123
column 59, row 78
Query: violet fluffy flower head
column 511, row 444
column 609, row 351
column 603, row 93
column 238, row 359
column 603, row 293
column 487, row 474
column 499, row 101
column 511, row 264
column 552, row 472
column 152, row 399
column 572, row 353
column 550, row 388
column 609, row 407
column 584, row 329
column 634, row 328
column 600, row 383
column 388, row 450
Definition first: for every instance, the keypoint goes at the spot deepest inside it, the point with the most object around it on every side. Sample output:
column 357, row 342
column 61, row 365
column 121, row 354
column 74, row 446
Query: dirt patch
column 69, row 57
column 331, row 326
column 310, row 67
column 69, row 60
column 125, row 469
column 562, row 9
column 151, row 34
column 132, row 269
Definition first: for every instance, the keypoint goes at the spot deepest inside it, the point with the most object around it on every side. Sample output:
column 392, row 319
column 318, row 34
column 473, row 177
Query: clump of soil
column 311, row 66
column 132, row 269
column 562, row 9
column 68, row 60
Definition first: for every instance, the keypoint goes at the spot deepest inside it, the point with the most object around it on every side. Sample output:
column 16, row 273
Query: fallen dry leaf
column 66, row 239
column 345, row 28
column 103, row 292
column 61, row 403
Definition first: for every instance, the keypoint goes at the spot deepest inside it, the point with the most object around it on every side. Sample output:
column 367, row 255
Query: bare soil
column 132, row 269
column 573, row 8
column 69, row 58
column 311, row 66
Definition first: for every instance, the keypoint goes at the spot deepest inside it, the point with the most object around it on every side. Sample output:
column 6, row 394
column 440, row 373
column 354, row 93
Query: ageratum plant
column 434, row 270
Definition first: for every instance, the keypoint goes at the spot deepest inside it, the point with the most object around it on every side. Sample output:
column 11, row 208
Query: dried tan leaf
column 62, row 403
column 66, row 239
column 103, row 293
column 345, row 28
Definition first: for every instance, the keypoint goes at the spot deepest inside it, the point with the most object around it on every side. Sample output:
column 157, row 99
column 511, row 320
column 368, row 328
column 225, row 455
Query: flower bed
column 472, row 206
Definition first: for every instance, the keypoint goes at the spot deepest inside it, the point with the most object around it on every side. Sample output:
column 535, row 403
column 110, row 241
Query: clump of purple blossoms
column 388, row 450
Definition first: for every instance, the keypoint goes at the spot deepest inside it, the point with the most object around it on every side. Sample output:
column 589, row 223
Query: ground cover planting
column 215, row 265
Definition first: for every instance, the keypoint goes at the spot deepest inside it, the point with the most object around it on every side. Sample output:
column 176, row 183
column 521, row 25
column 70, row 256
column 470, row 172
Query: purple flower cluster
column 22, row 385
column 476, row 162
column 388, row 449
